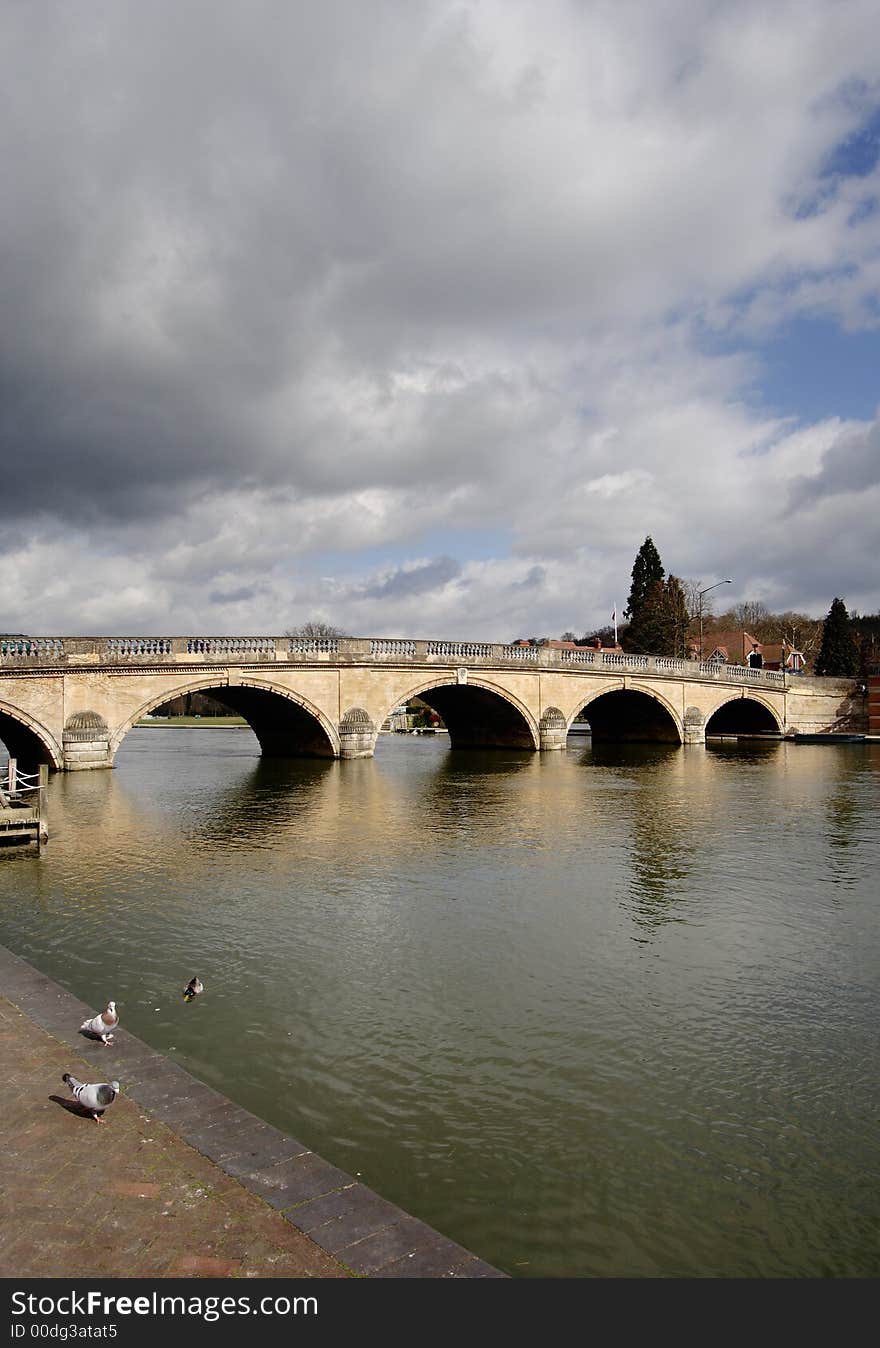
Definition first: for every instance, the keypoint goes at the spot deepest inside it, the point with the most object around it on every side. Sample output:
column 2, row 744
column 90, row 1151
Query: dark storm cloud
column 222, row 230
column 108, row 446
column 850, row 465
column 172, row 214
column 239, row 596
column 534, row 579
column 414, row 580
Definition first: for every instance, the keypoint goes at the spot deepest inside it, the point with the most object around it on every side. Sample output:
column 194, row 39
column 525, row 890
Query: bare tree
column 754, row 616
column 314, row 628
column 606, row 635
column 800, row 631
column 696, row 608
column 692, row 598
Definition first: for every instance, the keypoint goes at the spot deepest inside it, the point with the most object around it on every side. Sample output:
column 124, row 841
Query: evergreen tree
column 838, row 654
column 678, row 618
column 866, row 634
column 661, row 623
column 647, row 571
column 645, row 633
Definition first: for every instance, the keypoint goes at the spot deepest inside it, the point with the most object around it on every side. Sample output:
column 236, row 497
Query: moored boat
column 830, row 738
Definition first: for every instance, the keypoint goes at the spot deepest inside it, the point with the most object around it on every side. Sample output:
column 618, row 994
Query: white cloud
column 373, row 282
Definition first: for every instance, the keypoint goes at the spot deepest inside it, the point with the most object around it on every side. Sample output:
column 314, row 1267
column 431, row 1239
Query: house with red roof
column 734, row 648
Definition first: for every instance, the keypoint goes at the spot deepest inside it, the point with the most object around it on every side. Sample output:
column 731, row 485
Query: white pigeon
column 102, row 1025
column 94, row 1097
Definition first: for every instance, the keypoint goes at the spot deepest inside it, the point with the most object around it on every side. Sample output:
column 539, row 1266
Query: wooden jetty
column 23, row 806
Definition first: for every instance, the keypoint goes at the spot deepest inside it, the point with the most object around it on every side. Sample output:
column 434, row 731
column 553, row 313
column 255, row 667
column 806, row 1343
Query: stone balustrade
column 235, row 646
column 312, row 646
column 528, row 654
column 74, row 652
column 127, row 646
column 27, row 648
column 613, row 660
column 383, row 646
column 460, row 650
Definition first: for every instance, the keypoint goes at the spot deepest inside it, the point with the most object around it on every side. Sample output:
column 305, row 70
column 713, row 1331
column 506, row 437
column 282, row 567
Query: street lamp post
column 700, row 594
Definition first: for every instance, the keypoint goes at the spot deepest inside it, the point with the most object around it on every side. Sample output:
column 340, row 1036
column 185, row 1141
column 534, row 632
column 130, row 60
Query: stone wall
column 874, row 704
column 817, row 706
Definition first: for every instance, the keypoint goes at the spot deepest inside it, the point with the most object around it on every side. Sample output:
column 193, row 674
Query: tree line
column 661, row 616
column 663, row 612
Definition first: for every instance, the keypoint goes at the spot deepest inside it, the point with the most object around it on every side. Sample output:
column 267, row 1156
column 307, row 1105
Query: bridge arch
column 28, row 741
column 631, row 712
column 478, row 713
column 286, row 725
column 745, row 714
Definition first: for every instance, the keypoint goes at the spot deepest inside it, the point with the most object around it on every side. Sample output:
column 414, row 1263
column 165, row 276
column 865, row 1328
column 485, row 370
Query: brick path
column 178, row 1181
column 126, row 1198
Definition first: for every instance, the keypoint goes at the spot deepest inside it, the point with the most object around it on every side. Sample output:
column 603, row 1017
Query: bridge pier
column 86, row 742
column 357, row 734
column 553, row 730
column 694, row 726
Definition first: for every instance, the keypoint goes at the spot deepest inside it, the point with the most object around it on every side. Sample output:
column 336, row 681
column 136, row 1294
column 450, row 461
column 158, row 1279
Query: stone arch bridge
column 70, row 701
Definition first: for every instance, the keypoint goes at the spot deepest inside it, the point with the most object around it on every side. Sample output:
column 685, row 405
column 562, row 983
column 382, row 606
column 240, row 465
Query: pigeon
column 102, row 1025
column 193, row 988
column 94, row 1097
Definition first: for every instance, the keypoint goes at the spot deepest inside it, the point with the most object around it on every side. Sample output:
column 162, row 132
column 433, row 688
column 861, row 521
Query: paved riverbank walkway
column 177, row 1181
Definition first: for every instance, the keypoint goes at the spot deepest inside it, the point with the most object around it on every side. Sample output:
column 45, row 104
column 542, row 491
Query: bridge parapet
column 34, row 653
column 392, row 646
column 721, row 673
column 126, row 646
column 313, row 646
column 625, row 661
column 31, row 648
column 244, row 647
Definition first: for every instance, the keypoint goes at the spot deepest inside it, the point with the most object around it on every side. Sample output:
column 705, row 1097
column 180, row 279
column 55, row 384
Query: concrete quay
column 178, row 1181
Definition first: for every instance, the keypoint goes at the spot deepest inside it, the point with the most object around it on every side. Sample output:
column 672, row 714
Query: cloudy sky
column 417, row 316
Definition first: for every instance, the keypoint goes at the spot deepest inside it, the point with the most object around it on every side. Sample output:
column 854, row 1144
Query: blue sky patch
column 856, row 156
column 813, row 369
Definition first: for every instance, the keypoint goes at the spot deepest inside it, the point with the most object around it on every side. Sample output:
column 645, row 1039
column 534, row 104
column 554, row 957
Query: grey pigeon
column 193, row 988
column 102, row 1025
column 94, row 1097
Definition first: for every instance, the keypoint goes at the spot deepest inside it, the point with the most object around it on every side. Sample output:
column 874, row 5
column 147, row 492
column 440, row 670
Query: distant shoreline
column 196, row 722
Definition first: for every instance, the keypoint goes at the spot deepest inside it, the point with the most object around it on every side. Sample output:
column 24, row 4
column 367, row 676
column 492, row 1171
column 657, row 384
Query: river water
column 607, row 1012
